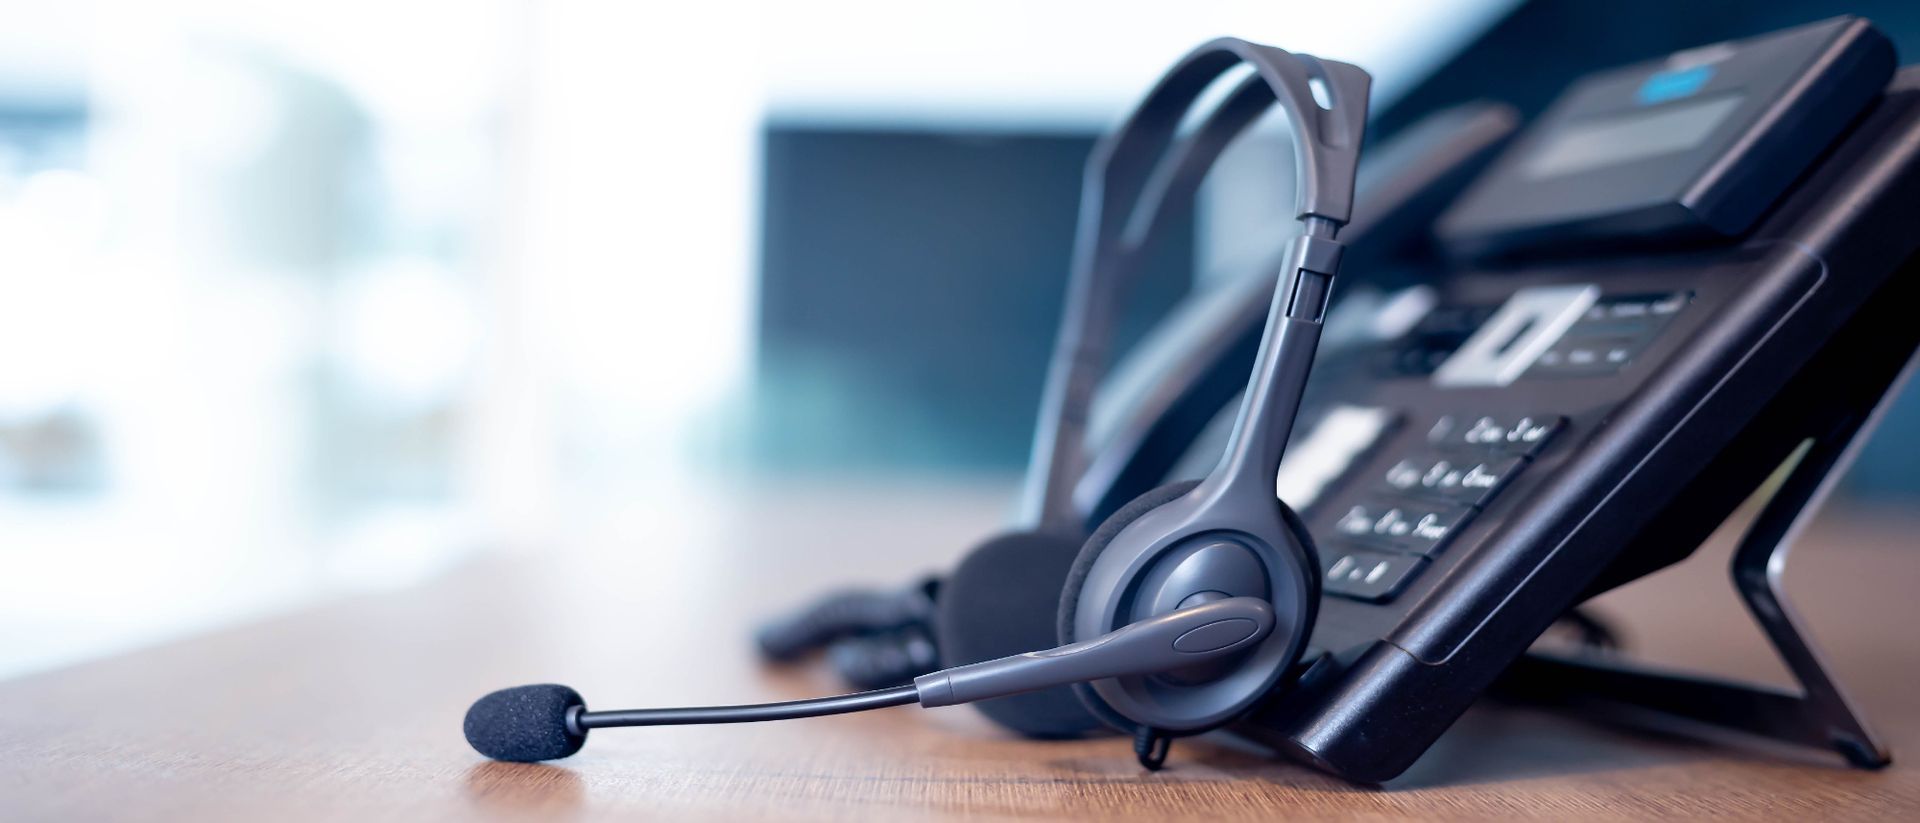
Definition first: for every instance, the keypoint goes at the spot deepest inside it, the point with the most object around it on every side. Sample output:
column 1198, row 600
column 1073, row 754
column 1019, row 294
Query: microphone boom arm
column 578, row 720
column 1164, row 643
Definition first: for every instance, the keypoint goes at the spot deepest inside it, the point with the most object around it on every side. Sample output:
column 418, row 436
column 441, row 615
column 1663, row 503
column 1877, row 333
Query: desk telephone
column 1561, row 354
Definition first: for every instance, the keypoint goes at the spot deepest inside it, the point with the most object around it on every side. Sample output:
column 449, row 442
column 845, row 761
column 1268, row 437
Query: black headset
column 1189, row 604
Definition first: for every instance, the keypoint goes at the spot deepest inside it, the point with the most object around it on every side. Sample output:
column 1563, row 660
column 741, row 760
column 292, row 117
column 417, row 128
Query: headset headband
column 1137, row 175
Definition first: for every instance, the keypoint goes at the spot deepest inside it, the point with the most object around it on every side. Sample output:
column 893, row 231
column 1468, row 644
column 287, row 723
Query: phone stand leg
column 1820, row 715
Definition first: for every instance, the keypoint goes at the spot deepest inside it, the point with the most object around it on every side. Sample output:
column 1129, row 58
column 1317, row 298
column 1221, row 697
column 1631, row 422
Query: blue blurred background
column 302, row 298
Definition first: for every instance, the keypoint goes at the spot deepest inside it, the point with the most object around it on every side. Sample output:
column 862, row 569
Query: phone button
column 1363, row 574
column 1421, row 528
column 1464, row 479
column 1513, row 434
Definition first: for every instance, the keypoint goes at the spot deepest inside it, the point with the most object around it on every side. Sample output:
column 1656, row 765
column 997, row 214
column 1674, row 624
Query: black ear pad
column 1001, row 601
column 1076, row 577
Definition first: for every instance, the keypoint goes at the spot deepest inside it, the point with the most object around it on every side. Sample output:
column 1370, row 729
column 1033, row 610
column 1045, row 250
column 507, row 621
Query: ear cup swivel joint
column 1171, row 553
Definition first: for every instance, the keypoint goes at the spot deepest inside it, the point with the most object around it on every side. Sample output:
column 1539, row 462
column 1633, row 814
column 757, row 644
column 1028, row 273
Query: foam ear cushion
column 1076, row 577
column 1001, row 601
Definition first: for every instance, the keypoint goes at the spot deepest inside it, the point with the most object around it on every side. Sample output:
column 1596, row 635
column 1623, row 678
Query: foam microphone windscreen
column 524, row 724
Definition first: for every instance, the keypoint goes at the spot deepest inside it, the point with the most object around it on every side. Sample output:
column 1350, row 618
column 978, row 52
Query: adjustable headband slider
column 1316, row 254
column 1312, row 263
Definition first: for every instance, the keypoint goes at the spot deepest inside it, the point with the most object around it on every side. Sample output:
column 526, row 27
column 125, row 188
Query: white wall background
column 342, row 291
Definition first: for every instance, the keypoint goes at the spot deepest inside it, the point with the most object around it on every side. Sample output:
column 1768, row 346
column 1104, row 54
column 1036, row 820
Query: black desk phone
column 1683, row 274
column 1561, row 355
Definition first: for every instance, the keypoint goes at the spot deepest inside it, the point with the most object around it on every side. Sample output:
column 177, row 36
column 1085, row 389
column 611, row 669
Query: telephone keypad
column 1387, row 534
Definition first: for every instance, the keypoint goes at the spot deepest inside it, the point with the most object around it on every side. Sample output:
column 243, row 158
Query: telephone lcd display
column 1607, row 141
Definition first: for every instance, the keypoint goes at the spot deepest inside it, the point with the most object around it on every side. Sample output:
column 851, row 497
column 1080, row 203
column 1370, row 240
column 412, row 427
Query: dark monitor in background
column 910, row 285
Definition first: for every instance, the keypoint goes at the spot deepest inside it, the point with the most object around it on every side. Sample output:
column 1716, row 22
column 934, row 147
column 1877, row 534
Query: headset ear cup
column 1076, row 577
column 1001, row 601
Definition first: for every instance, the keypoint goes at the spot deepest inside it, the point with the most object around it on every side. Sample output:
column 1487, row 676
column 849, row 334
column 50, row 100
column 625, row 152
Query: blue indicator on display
column 1673, row 84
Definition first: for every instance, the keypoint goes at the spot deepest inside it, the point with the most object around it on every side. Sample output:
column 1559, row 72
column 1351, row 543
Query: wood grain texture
column 352, row 711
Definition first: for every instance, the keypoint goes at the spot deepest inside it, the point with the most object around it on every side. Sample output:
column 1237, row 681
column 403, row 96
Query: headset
column 1187, row 605
column 1002, row 598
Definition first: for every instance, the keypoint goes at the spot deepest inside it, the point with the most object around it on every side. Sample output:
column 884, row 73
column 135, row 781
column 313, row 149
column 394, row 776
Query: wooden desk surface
column 352, row 711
